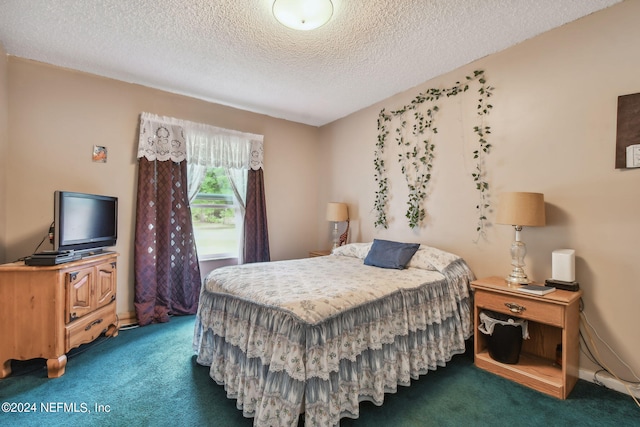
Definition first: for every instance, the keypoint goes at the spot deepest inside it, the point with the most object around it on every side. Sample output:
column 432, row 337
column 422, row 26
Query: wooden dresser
column 48, row 310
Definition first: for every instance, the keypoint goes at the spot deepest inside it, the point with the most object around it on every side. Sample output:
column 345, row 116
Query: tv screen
column 84, row 222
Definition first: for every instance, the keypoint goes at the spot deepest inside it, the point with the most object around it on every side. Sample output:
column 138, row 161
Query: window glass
column 214, row 217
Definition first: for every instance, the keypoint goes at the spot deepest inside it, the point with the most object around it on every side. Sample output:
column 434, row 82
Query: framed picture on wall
column 628, row 130
column 99, row 154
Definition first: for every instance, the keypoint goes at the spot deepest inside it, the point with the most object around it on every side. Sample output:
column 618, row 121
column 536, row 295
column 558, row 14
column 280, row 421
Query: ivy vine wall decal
column 414, row 130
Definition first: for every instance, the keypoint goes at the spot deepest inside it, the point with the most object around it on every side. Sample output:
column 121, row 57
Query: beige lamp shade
column 525, row 209
column 337, row 212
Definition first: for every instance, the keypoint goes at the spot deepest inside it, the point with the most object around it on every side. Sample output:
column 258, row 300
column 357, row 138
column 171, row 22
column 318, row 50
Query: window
column 214, row 217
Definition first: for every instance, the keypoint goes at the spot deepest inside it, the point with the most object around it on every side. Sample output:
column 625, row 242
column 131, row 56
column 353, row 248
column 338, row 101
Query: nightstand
column 553, row 319
column 319, row 253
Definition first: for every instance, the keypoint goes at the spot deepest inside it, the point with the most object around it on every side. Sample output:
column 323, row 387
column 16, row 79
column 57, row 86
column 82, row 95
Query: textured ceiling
column 233, row 52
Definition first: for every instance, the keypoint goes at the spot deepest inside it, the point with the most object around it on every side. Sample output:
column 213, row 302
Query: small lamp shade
column 337, row 212
column 524, row 209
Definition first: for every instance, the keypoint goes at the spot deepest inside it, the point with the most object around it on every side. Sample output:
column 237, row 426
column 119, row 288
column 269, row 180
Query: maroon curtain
column 256, row 236
column 167, row 273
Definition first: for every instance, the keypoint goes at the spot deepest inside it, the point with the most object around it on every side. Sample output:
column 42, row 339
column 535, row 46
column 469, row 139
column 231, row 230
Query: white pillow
column 430, row 258
column 356, row 250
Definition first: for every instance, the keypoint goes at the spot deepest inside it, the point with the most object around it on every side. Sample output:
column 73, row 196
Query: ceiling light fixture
column 303, row 14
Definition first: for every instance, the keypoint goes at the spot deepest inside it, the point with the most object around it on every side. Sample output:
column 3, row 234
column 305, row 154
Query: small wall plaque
column 99, row 154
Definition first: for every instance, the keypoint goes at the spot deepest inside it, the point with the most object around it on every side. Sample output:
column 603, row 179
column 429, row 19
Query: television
column 84, row 222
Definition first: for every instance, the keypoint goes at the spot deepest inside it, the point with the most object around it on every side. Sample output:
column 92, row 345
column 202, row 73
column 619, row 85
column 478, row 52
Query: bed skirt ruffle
column 277, row 366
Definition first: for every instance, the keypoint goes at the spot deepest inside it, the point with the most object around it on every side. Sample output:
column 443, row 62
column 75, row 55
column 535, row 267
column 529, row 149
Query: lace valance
column 161, row 139
column 166, row 138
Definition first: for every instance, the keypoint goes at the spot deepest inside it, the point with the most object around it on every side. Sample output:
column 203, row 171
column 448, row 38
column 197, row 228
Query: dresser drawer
column 521, row 307
column 90, row 326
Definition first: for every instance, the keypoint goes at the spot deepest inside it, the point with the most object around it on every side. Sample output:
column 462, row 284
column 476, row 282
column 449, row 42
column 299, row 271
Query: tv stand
column 49, row 310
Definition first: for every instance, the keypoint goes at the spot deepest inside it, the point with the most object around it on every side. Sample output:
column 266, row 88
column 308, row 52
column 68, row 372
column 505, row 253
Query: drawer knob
column 515, row 308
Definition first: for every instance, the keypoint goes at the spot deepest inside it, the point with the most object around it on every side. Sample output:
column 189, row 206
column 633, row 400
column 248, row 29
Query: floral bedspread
column 320, row 335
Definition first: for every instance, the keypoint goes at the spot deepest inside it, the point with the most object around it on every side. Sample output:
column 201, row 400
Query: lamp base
column 336, row 237
column 517, row 277
column 518, row 252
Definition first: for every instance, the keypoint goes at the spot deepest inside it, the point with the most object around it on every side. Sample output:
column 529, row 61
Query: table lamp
column 520, row 210
column 338, row 212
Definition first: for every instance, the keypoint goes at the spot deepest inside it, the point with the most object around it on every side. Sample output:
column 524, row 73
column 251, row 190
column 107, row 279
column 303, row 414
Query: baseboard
column 608, row 381
column 127, row 319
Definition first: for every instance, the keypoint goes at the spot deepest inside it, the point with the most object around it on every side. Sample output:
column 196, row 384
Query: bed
column 319, row 335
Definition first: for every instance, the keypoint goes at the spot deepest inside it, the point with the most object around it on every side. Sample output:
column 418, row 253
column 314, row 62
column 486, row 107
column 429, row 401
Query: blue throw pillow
column 388, row 254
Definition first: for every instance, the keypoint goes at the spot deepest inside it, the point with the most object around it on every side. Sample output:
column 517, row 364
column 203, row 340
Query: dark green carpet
column 148, row 377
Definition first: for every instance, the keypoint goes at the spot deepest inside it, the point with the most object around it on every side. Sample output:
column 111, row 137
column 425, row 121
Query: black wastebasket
column 504, row 335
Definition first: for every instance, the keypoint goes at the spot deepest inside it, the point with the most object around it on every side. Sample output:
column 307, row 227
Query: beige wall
column 554, row 131
column 4, row 142
column 58, row 115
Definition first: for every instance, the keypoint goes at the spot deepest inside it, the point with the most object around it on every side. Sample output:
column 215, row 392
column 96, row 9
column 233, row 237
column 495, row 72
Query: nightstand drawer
column 522, row 307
